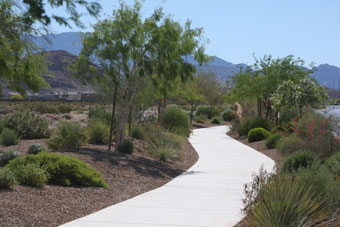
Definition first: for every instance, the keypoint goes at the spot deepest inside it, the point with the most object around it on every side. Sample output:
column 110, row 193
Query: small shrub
column 7, row 156
column 243, row 126
column 61, row 169
column 137, row 132
column 287, row 116
column 7, row 179
column 1, row 126
column 31, row 175
column 333, row 164
column 44, row 108
column 27, row 125
column 299, row 160
column 101, row 114
column 229, row 116
column 199, row 119
column 175, row 120
column 207, row 111
column 259, row 122
column 8, row 137
column 99, row 132
column 273, row 140
column 257, row 134
column 126, row 146
column 64, row 108
column 16, row 97
column 70, row 136
column 36, row 148
column 216, row 121
column 291, row 144
column 280, row 129
column 240, row 126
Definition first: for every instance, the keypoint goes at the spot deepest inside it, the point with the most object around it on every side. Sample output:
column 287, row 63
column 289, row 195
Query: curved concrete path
column 209, row 194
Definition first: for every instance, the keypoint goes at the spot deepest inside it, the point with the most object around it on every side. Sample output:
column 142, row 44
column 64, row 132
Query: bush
column 61, row 169
column 36, row 148
column 70, row 136
column 176, row 121
column 64, row 108
column 8, row 137
column 291, row 144
column 259, row 122
column 7, row 179
column 137, row 132
column 27, row 125
column 229, row 116
column 299, row 160
column 333, row 164
column 216, row 121
column 101, row 114
column 99, row 132
column 31, row 175
column 207, row 111
column 7, row 156
column 273, row 140
column 257, row 134
column 126, row 146
column 199, row 119
column 16, row 97
column 287, row 116
column 280, row 129
column 243, row 126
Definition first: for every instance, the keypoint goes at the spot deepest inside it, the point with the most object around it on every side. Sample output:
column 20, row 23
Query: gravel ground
column 127, row 175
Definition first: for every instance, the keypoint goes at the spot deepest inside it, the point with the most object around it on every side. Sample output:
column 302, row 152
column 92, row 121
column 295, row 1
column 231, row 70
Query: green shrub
column 101, row 114
column 291, row 144
column 257, row 134
column 216, row 120
column 175, row 120
column 137, row 132
column 259, row 122
column 229, row 116
column 126, row 146
column 31, row 174
column 287, row 116
column 16, row 97
column 1, row 126
column 300, row 159
column 99, row 132
column 7, row 179
column 7, row 156
column 27, row 125
column 61, row 169
column 64, row 108
column 36, row 148
column 273, row 140
column 243, row 126
column 207, row 111
column 44, row 108
column 280, row 129
column 199, row 119
column 70, row 136
column 8, row 137
column 333, row 164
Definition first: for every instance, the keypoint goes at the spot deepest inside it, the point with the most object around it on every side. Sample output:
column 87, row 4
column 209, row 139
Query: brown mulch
column 127, row 175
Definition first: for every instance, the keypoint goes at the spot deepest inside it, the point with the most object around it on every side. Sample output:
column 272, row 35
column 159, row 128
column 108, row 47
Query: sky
column 238, row 29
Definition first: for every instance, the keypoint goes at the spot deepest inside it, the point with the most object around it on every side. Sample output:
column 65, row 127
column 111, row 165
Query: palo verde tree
column 130, row 50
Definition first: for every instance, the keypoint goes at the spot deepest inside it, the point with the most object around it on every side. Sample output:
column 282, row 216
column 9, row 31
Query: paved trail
column 207, row 195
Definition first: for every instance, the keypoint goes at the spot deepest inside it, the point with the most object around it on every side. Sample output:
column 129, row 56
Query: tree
column 130, row 49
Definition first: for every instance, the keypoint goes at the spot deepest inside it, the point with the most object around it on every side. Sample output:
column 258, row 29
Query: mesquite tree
column 130, row 49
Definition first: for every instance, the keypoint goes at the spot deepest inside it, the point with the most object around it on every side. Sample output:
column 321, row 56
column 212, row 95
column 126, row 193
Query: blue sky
column 309, row 29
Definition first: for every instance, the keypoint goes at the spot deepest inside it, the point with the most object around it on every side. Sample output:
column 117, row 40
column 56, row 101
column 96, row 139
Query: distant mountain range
column 325, row 74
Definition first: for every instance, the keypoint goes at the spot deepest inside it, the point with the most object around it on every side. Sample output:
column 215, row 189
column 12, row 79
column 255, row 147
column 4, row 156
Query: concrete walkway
column 209, row 194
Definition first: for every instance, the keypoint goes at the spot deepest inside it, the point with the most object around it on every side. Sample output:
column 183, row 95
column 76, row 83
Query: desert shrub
column 257, row 134
column 241, row 126
column 61, row 169
column 216, row 120
column 27, row 125
column 7, row 156
column 259, row 122
column 299, row 160
column 43, row 107
column 8, row 137
column 333, row 164
column 229, row 116
column 273, row 140
column 137, row 132
column 291, row 144
column 99, row 132
column 31, row 174
column 64, row 108
column 16, row 97
column 210, row 112
column 176, row 121
column 287, row 116
column 280, row 129
column 70, row 136
column 1, row 126
column 101, row 114
column 126, row 146
column 199, row 119
column 36, row 148
column 7, row 179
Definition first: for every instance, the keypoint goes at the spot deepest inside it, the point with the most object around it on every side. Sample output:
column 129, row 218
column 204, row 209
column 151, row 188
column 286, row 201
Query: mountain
column 327, row 75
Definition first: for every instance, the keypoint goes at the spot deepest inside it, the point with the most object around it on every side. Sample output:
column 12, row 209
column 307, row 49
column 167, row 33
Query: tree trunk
column 130, row 118
column 259, row 107
column 113, row 115
column 159, row 111
column 192, row 109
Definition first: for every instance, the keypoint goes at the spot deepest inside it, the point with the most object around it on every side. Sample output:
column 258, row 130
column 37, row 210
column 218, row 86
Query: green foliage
column 27, row 125
column 137, row 132
column 62, row 169
column 199, row 119
column 216, row 120
column 8, row 137
column 64, row 108
column 126, row 146
column 70, row 136
column 7, row 179
column 7, row 156
column 44, row 107
column 16, row 97
column 298, row 160
column 291, row 144
column 257, row 134
column 98, row 131
column 176, row 121
column 333, row 164
column 101, row 114
column 207, row 111
column 243, row 126
column 229, row 116
column 280, row 129
column 31, row 174
column 287, row 116
column 36, row 148
column 259, row 122
column 273, row 140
